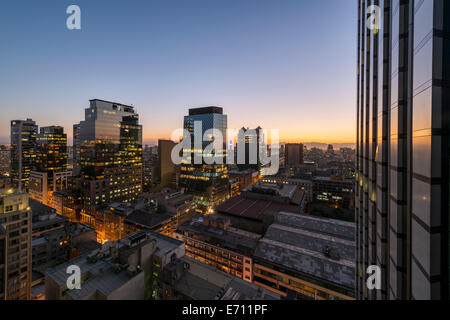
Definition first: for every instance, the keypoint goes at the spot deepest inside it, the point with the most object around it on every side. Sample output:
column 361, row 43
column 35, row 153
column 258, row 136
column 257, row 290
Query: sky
column 279, row 64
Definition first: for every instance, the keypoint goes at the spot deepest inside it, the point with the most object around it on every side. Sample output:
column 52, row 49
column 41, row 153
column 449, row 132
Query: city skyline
column 228, row 64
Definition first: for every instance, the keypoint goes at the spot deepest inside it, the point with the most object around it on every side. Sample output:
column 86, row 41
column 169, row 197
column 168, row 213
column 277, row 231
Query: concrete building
column 305, row 257
column 305, row 185
column 178, row 279
column 334, row 191
column 253, row 210
column 5, row 160
column 166, row 168
column 66, row 203
column 121, row 270
column 44, row 218
column 3, row 250
column 213, row 241
column 42, row 185
column 15, row 247
column 245, row 178
column 402, row 149
column 293, row 155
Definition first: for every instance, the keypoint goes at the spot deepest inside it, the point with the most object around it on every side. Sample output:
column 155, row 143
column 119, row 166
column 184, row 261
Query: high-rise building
column 402, row 171
column 250, row 140
column 76, row 150
column 50, row 173
column 207, row 182
column 23, row 151
column 15, row 246
column 293, row 155
column 150, row 170
column 110, row 140
column 5, row 160
column 166, row 167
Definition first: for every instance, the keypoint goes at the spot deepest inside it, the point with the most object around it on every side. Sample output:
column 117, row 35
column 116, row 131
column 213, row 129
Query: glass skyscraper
column 207, row 182
column 50, row 169
column 23, row 151
column 51, row 149
column 402, row 193
column 110, row 160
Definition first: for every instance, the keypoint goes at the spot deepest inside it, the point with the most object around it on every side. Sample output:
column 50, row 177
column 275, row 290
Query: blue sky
column 286, row 64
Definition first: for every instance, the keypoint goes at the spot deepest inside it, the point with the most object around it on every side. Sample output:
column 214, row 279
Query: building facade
column 214, row 242
column 50, row 172
column 23, row 151
column 207, row 182
column 402, row 208
column 15, row 247
column 76, row 149
column 306, row 257
column 293, row 155
column 166, row 167
column 110, row 140
column 5, row 160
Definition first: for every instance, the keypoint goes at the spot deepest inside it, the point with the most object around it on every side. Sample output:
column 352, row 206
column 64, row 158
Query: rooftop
column 44, row 215
column 231, row 239
column 147, row 219
column 332, row 179
column 112, row 102
column 319, row 248
column 203, row 282
column 205, row 110
column 103, row 276
column 253, row 209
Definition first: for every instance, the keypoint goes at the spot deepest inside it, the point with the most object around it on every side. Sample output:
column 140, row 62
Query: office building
column 293, row 155
column 110, row 141
column 76, row 150
column 50, row 172
column 150, row 168
column 5, row 160
column 23, row 151
column 66, row 203
column 402, row 159
column 207, row 182
column 15, row 247
column 334, row 191
column 249, row 140
column 166, row 168
column 305, row 257
column 244, row 178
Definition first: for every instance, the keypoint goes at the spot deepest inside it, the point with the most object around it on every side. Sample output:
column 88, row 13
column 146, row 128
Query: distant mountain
column 324, row 146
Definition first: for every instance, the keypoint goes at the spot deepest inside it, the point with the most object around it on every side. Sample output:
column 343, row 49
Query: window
column 14, row 234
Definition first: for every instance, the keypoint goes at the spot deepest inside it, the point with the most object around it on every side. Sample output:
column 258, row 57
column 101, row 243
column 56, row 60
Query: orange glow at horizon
column 285, row 137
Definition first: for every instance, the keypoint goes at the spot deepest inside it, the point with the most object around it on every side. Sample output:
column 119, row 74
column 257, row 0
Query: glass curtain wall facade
column 207, row 182
column 50, row 170
column 51, row 149
column 23, row 151
column 110, row 142
column 402, row 191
